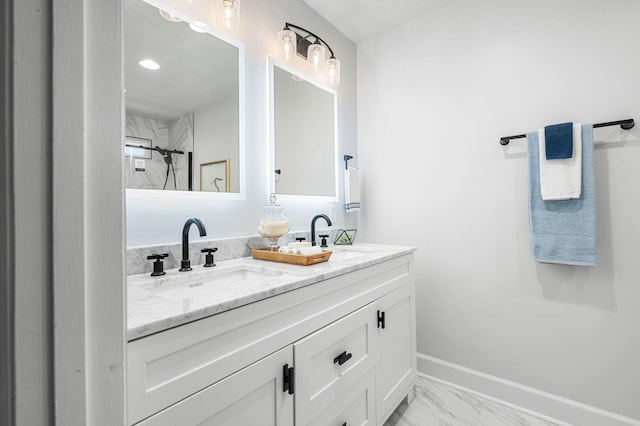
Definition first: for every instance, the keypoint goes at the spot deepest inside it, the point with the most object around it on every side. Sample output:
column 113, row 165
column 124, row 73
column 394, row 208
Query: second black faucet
column 313, row 226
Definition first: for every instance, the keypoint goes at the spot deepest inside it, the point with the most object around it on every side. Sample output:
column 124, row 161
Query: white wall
column 89, row 299
column 68, row 209
column 32, row 213
column 155, row 220
column 435, row 96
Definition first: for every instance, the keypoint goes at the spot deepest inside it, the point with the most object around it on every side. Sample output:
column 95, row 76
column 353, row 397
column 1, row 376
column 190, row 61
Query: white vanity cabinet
column 316, row 355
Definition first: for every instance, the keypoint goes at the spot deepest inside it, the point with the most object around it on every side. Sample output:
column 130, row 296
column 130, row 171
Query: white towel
column 308, row 251
column 352, row 189
column 561, row 179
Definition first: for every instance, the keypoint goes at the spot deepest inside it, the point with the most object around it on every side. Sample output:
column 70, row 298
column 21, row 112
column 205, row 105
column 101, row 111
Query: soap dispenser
column 273, row 224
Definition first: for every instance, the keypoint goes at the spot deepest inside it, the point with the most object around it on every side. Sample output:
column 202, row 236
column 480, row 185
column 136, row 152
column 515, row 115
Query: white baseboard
column 539, row 403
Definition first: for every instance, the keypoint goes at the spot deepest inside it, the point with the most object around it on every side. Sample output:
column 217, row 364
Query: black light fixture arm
column 287, row 26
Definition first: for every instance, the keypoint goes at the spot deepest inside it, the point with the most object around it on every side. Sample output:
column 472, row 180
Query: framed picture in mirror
column 214, row 176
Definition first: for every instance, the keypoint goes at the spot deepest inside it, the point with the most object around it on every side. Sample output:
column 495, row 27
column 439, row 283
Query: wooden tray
column 296, row 259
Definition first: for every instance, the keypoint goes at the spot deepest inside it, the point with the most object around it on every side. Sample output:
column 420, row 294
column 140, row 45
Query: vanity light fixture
column 149, row 64
column 229, row 14
column 310, row 47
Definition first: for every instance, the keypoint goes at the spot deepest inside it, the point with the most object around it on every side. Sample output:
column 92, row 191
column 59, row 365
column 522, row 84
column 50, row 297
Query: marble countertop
column 155, row 304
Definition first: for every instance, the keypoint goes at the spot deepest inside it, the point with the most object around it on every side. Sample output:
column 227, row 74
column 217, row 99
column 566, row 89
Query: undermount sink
column 347, row 252
column 203, row 282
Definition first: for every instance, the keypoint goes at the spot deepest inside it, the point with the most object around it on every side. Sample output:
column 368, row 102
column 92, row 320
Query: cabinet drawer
column 330, row 361
column 356, row 407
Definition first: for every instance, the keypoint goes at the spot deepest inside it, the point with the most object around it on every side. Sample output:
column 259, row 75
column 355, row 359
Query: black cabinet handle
column 344, row 424
column 342, row 358
column 381, row 320
column 287, row 379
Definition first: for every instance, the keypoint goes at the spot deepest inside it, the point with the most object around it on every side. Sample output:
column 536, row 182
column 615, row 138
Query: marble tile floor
column 438, row 404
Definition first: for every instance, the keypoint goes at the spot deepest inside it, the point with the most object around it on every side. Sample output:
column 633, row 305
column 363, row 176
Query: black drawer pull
column 287, row 379
column 342, row 358
column 380, row 319
column 344, row 424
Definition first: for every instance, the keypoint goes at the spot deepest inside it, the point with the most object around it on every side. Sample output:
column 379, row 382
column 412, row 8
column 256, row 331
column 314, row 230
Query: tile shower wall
column 174, row 134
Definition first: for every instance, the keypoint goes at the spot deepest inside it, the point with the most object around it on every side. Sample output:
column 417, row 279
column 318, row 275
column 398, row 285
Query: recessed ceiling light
column 198, row 26
column 169, row 16
column 149, row 64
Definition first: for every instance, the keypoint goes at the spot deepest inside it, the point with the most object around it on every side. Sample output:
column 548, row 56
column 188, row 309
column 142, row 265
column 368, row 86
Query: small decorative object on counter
column 345, row 237
column 273, row 224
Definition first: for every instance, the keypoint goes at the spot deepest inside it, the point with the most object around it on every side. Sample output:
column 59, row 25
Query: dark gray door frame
column 7, row 282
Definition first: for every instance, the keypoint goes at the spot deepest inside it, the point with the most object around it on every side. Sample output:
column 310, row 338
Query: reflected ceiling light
column 228, row 12
column 168, row 16
column 310, row 47
column 198, row 26
column 149, row 64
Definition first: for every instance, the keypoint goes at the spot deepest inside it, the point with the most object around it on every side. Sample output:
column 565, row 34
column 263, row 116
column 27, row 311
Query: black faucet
column 313, row 226
column 185, row 263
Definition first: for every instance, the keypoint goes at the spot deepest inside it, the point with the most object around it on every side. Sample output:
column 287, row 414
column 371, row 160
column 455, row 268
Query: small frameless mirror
column 303, row 127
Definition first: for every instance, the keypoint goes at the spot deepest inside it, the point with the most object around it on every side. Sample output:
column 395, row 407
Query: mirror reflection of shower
column 139, row 150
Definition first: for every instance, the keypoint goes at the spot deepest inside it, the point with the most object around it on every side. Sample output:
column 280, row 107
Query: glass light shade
column 315, row 55
column 333, row 71
column 286, row 45
column 228, row 14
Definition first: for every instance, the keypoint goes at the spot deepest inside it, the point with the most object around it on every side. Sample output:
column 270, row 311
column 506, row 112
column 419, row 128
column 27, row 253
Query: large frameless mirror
column 184, row 103
column 304, row 145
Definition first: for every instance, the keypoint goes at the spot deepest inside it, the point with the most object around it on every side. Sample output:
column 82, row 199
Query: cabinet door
column 396, row 370
column 356, row 407
column 252, row 396
column 331, row 361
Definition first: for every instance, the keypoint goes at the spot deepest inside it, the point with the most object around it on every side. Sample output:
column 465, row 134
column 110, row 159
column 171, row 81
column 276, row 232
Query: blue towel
column 558, row 141
column 563, row 231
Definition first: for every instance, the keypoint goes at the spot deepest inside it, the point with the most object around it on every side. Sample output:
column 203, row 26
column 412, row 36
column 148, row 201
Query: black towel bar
column 624, row 124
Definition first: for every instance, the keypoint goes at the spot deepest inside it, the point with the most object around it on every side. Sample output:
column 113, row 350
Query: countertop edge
column 149, row 313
